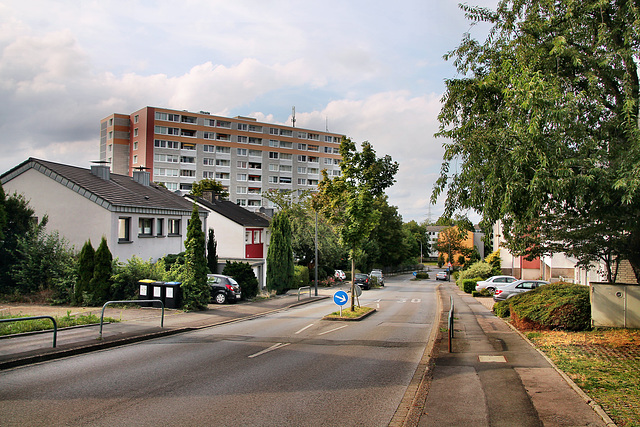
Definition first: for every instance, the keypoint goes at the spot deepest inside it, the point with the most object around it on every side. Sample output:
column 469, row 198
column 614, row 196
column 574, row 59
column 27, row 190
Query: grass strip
column 18, row 327
column 605, row 364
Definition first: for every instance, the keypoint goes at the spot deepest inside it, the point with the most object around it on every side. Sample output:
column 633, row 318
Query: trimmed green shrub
column 554, row 306
column 469, row 285
column 422, row 275
column 479, row 270
column 501, row 309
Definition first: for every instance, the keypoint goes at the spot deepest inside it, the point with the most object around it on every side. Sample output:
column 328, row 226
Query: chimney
column 142, row 177
column 210, row 196
column 101, row 171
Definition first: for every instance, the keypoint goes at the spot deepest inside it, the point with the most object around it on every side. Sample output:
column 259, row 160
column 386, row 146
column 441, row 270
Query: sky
column 371, row 70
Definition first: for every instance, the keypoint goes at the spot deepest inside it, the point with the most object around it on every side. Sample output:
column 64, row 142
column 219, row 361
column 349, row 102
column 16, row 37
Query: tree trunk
column 353, row 282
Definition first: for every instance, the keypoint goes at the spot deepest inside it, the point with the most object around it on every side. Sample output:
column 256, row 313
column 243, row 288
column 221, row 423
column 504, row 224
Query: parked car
column 493, row 282
column 441, row 275
column 362, row 280
column 378, row 275
column 223, row 288
column 339, row 275
column 519, row 286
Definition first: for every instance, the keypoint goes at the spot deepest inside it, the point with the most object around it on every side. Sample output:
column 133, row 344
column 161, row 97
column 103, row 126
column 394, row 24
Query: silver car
column 493, row 282
column 512, row 289
column 378, row 275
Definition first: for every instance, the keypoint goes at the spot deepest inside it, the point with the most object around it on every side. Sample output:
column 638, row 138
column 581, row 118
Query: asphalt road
column 288, row 368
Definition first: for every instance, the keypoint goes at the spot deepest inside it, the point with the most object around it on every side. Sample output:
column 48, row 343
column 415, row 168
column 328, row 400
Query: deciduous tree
column 348, row 200
column 543, row 122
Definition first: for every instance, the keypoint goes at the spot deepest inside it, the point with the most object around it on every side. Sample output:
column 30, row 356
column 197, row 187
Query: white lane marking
column 273, row 347
column 402, row 301
column 306, row 327
column 333, row 330
column 416, row 300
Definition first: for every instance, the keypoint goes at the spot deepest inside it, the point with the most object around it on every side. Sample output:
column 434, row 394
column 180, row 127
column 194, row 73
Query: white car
column 441, row 275
column 493, row 282
column 339, row 275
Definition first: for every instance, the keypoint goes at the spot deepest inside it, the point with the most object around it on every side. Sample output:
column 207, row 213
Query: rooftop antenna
column 326, row 124
column 293, row 116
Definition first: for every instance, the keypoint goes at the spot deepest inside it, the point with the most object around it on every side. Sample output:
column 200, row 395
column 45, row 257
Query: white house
column 553, row 267
column 241, row 235
column 135, row 216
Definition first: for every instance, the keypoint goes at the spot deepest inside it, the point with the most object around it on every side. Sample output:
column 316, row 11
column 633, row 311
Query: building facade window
column 160, row 227
column 124, row 229
column 173, row 227
column 145, row 227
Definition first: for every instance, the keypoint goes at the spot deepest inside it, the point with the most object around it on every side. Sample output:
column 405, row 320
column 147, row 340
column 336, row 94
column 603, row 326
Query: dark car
column 223, row 288
column 362, row 280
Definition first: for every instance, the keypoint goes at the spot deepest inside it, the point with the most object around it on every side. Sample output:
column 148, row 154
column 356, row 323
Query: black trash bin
column 145, row 291
column 172, row 294
column 157, row 293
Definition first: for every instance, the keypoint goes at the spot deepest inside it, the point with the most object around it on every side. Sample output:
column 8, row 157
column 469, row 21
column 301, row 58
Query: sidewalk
column 494, row 377
column 135, row 324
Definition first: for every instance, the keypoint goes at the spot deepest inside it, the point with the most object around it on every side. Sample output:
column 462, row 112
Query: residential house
column 136, row 216
column 553, row 267
column 241, row 235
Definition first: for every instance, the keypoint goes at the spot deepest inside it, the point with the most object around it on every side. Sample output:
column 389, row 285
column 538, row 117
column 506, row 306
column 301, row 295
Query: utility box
column 615, row 305
column 145, row 291
column 172, row 294
column 157, row 292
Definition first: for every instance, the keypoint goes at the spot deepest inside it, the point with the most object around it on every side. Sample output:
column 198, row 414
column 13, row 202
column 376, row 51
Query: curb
column 349, row 319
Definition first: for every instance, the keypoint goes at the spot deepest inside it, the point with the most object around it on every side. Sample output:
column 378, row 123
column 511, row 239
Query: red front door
column 253, row 243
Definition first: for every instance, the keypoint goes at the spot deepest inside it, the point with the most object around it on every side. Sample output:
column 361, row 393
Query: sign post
column 340, row 298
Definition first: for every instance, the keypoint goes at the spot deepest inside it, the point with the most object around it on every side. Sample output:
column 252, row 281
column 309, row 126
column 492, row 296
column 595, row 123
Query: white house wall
column 75, row 217
column 229, row 236
column 78, row 219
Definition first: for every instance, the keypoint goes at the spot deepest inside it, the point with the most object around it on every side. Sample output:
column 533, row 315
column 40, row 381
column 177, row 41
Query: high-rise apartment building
column 248, row 157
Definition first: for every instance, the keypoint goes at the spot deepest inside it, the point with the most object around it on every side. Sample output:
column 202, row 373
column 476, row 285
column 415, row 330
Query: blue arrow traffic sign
column 340, row 297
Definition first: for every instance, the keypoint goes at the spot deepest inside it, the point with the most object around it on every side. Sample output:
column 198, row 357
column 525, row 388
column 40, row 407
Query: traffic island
column 359, row 313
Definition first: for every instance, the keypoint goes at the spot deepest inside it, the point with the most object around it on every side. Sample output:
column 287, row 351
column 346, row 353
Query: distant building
column 136, row 216
column 248, row 157
column 472, row 239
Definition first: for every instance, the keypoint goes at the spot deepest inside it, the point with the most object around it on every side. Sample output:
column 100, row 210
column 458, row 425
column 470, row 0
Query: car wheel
column 491, row 290
column 220, row 298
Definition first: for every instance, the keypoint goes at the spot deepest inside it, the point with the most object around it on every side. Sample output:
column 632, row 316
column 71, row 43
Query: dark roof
column 118, row 193
column 233, row 212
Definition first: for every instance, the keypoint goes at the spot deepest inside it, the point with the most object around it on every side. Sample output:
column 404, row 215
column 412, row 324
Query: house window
column 145, row 226
column 136, row 118
column 209, row 148
column 174, row 227
column 242, row 126
column 242, row 151
column 135, row 132
column 273, row 154
column 124, row 225
column 241, row 202
column 135, row 145
column 160, row 227
column 135, row 159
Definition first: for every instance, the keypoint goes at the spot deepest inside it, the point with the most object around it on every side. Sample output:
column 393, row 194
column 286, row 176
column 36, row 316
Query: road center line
column 267, row 350
column 306, row 327
column 333, row 330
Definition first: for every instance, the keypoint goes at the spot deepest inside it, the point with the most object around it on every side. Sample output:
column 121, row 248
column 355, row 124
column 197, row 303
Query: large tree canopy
column 544, row 122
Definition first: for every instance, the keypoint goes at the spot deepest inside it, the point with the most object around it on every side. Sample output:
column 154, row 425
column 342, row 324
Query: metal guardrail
column 450, row 324
column 129, row 301
column 304, row 287
column 55, row 324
